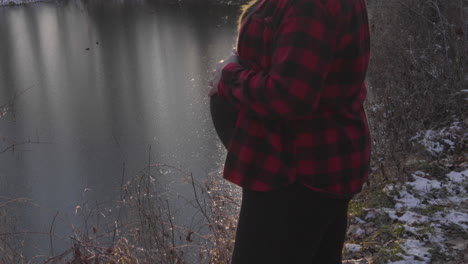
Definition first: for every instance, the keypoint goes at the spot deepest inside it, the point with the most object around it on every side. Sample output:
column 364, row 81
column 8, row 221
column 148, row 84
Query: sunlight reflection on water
column 104, row 86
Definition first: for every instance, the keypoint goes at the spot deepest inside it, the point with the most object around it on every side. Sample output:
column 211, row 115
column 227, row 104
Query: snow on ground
column 353, row 247
column 439, row 141
column 447, row 197
column 428, row 216
column 414, row 250
column 458, row 177
column 423, row 220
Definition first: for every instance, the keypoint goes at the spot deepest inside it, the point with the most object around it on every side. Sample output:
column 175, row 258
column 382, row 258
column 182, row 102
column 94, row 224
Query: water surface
column 98, row 89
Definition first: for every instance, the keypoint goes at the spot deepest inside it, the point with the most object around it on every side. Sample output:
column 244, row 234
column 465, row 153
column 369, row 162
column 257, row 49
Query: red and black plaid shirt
column 300, row 90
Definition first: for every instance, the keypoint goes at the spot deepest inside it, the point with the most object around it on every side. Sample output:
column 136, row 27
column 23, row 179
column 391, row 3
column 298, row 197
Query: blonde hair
column 244, row 11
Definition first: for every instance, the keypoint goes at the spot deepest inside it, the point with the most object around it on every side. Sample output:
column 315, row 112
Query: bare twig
column 121, row 199
column 50, row 234
column 170, row 222
column 14, row 97
column 14, row 145
column 17, row 200
column 202, row 210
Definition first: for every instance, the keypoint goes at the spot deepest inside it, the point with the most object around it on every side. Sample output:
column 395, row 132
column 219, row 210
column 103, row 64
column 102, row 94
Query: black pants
column 294, row 225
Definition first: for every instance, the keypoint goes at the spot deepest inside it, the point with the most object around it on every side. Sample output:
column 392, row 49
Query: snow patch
column 411, row 218
column 424, row 185
column 449, row 198
column 408, row 217
column 452, row 217
column 458, row 177
column 359, row 232
column 360, row 220
column 353, row 247
column 370, row 215
column 411, row 229
column 415, row 250
column 437, row 237
column 440, row 141
column 406, row 200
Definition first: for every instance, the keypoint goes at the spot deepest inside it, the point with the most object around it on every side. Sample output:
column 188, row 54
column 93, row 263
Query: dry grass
column 143, row 227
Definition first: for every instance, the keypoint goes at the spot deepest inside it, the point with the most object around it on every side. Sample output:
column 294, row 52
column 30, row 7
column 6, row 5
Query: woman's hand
column 219, row 70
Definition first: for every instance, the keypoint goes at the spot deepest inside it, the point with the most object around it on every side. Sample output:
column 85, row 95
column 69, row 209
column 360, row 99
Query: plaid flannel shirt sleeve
column 302, row 56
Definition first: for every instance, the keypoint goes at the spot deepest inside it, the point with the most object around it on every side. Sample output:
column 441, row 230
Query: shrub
column 417, row 71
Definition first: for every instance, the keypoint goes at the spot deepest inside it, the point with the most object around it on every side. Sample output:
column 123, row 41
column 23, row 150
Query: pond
column 93, row 90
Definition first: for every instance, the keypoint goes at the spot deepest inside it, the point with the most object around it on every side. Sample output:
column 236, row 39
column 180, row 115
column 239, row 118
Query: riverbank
column 420, row 220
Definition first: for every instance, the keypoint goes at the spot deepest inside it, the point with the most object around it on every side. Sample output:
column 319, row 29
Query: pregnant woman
column 300, row 146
